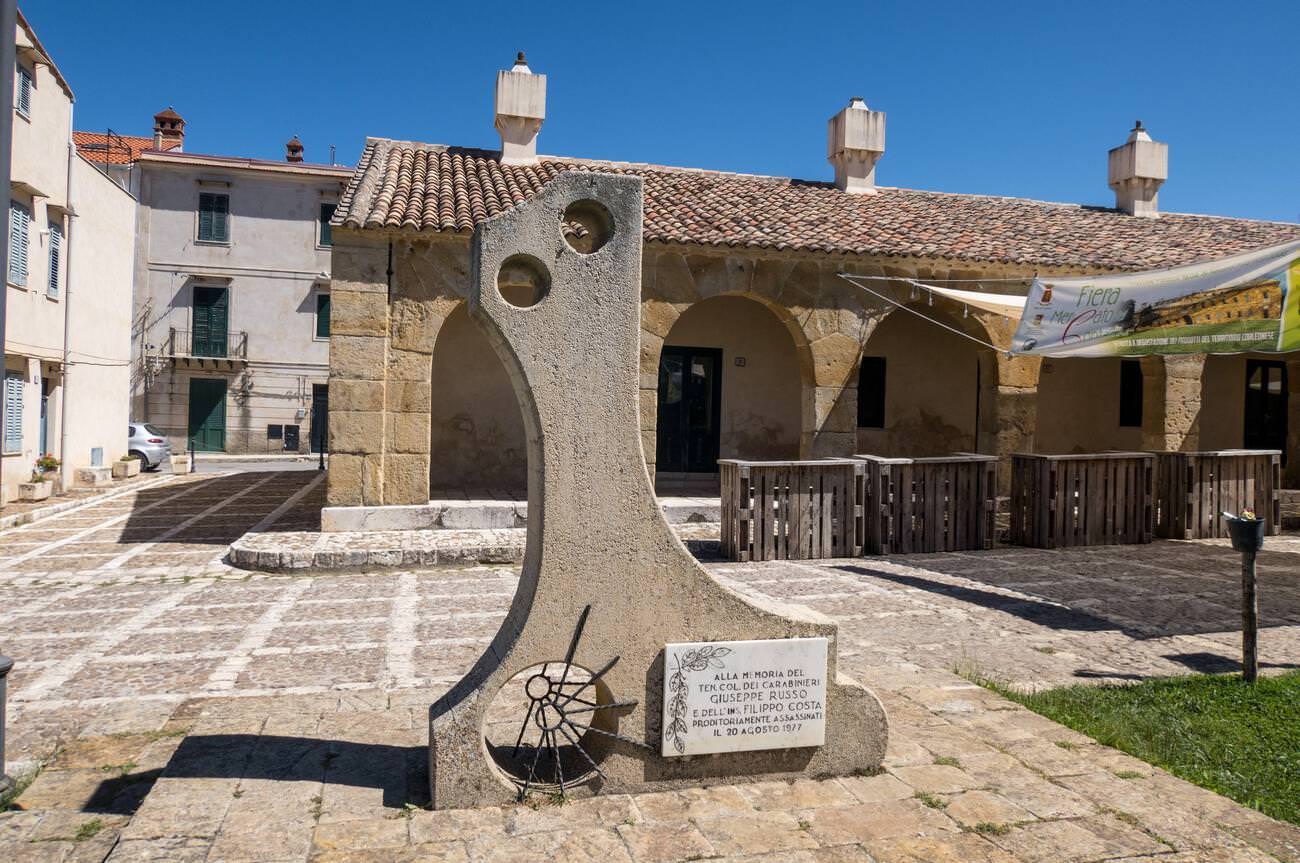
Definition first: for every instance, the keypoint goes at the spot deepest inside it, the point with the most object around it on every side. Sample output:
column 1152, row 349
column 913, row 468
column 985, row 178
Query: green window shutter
column 322, row 316
column 214, row 217
column 208, row 336
column 19, row 221
column 13, row 407
column 326, row 231
column 24, row 94
column 56, row 256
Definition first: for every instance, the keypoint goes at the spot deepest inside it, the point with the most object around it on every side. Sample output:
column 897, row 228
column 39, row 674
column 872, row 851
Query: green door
column 211, row 316
column 207, row 426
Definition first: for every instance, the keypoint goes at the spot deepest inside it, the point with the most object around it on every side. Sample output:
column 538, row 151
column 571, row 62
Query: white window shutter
column 13, row 405
column 18, row 236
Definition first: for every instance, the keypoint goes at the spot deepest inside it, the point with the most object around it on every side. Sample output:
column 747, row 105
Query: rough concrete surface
column 596, row 536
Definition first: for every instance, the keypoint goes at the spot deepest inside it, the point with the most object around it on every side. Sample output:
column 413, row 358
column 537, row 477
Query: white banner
column 1248, row 302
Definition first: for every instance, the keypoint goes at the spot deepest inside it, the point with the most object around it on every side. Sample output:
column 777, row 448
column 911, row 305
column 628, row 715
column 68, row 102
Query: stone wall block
column 410, row 396
column 357, row 357
column 426, row 271
column 356, row 431
column 408, row 433
column 372, row 480
column 1019, row 372
column 357, row 313
column 835, row 360
column 406, row 365
column 413, row 327
column 406, row 478
column 649, row 400
column 836, row 409
column 658, row 317
column 343, row 480
column 358, row 262
column 352, row 395
column 672, row 280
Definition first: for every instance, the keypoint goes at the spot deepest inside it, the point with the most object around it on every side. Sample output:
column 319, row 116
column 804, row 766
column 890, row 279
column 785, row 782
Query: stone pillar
column 406, row 403
column 830, row 412
column 1291, row 460
column 1017, row 412
column 358, row 370
column 1171, row 402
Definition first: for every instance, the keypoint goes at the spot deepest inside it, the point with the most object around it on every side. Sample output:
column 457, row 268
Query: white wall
column 99, row 327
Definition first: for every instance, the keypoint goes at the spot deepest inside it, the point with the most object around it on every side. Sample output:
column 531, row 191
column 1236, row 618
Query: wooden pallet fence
column 791, row 510
column 1058, row 501
column 1194, row 488
column 929, row 504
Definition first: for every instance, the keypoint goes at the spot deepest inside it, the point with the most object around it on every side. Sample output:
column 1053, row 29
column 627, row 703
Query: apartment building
column 232, row 299
column 68, row 284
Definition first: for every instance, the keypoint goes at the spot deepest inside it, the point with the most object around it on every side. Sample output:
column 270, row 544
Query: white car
column 148, row 444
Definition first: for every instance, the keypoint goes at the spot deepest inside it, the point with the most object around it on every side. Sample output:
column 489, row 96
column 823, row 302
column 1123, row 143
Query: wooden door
column 207, row 414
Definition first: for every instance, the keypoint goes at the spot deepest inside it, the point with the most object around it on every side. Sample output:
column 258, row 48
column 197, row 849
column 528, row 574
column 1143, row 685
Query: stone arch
column 478, row 444
column 765, row 370
column 940, row 392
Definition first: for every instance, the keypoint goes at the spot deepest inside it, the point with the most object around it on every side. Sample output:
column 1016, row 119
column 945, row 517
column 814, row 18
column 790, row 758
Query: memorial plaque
column 732, row 696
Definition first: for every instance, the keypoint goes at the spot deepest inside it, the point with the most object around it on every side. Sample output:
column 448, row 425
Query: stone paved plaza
column 187, row 711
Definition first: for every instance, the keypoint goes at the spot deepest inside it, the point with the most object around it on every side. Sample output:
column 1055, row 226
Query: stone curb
column 21, row 518
column 242, row 556
column 361, row 550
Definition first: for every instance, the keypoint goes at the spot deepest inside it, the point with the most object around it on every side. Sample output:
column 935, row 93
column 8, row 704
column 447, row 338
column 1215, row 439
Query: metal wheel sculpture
column 550, row 750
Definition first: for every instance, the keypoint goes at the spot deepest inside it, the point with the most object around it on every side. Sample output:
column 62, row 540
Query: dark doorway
column 320, row 411
column 207, row 414
column 1266, row 404
column 690, row 403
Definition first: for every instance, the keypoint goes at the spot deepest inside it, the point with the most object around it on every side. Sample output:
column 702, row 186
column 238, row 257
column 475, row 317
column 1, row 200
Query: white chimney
column 1137, row 171
column 855, row 141
column 521, row 108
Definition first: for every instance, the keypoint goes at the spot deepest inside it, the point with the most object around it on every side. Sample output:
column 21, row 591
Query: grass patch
column 947, row 761
column 1235, row 739
column 930, row 800
column 88, row 830
column 988, row 828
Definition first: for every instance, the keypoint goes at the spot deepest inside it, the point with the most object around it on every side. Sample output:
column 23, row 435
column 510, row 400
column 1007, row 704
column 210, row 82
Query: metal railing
column 181, row 343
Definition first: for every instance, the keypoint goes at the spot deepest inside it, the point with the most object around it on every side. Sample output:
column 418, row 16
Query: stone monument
column 622, row 664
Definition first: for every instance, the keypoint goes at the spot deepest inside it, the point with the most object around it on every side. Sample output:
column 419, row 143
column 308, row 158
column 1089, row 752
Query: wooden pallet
column 1194, row 488
column 791, row 510
column 1058, row 501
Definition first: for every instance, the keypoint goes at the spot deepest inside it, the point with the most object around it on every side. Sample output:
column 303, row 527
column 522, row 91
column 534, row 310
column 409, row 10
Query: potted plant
column 48, row 468
column 127, row 466
column 39, row 488
column 1246, row 530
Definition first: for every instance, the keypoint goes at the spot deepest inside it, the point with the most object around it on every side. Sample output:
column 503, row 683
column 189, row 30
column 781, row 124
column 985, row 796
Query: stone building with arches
column 752, row 345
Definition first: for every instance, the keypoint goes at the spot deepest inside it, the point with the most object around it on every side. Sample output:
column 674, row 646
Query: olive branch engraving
column 695, row 659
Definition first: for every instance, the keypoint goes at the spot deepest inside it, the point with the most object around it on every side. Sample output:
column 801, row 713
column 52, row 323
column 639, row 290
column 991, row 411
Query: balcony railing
column 181, row 344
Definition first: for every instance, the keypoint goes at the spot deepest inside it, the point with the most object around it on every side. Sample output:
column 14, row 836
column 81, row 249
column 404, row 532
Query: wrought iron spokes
column 552, row 750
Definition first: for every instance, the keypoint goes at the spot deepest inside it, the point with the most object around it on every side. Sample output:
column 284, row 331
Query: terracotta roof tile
column 426, row 187
column 121, row 149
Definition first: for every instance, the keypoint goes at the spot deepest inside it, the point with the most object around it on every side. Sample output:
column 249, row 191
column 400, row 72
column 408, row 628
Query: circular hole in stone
column 523, row 281
column 586, row 226
column 538, row 727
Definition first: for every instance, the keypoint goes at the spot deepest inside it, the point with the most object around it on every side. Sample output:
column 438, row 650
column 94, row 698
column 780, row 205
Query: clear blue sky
column 1008, row 98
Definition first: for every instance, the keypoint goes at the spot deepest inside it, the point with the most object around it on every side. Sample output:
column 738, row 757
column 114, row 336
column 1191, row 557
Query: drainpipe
column 64, row 470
